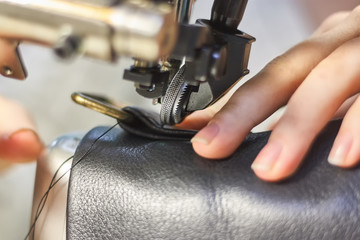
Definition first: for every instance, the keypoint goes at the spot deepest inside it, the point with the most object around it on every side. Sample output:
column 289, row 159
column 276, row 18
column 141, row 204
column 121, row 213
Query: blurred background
column 276, row 24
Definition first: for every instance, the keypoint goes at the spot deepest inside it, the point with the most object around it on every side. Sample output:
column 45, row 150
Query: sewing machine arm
column 185, row 67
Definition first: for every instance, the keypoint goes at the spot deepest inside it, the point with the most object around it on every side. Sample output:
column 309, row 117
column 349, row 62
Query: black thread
column 44, row 198
column 53, row 182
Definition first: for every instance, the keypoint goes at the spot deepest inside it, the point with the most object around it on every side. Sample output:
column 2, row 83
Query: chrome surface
column 174, row 100
column 183, row 10
column 51, row 224
column 141, row 29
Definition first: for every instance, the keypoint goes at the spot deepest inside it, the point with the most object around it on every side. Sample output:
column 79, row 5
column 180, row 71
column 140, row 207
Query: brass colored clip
column 102, row 105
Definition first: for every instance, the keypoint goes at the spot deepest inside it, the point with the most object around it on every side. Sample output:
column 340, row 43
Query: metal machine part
column 144, row 29
column 216, row 58
column 224, row 69
column 214, row 63
column 175, row 99
column 51, row 224
column 150, row 80
column 228, row 14
column 100, row 2
column 208, row 77
column 10, row 62
column 183, row 10
column 156, row 33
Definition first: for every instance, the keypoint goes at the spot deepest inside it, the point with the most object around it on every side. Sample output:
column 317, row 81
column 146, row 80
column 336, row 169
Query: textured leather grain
column 129, row 187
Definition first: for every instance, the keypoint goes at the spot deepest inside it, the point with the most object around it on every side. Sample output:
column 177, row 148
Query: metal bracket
column 11, row 64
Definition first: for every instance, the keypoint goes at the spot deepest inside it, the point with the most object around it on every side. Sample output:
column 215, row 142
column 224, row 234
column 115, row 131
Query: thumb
column 18, row 140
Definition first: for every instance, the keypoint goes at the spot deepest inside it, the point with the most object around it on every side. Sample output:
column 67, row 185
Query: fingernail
column 21, row 135
column 8, row 136
column 29, row 132
column 340, row 150
column 267, row 157
column 207, row 134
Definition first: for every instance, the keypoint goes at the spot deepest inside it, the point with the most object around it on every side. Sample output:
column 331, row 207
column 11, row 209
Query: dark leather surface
column 134, row 188
column 147, row 124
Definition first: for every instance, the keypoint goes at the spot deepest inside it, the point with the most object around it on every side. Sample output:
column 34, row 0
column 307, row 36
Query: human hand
column 18, row 140
column 314, row 78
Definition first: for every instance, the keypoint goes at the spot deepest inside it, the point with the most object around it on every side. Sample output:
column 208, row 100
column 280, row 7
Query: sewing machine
column 130, row 187
column 184, row 67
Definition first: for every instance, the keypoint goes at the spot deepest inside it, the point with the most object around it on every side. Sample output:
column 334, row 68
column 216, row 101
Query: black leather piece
column 147, row 124
column 134, row 188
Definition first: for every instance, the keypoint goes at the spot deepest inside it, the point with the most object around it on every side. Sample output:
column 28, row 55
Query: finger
column 18, row 140
column 197, row 120
column 258, row 98
column 340, row 113
column 308, row 111
column 346, row 149
column 201, row 118
column 331, row 21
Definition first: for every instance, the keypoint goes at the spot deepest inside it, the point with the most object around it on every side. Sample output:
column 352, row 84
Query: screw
column 7, row 70
column 67, row 46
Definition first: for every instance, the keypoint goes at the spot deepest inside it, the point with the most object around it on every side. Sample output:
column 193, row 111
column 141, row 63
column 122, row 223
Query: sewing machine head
column 184, row 67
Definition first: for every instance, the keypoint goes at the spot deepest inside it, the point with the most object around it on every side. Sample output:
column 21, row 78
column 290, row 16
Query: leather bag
column 134, row 187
